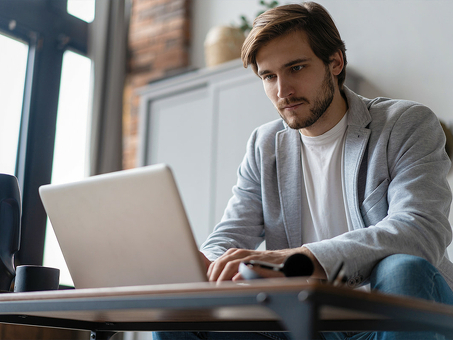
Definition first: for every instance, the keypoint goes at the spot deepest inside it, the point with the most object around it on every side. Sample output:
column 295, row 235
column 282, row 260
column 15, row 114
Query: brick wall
column 159, row 39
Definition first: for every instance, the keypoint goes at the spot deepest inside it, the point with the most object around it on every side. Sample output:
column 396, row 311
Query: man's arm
column 411, row 217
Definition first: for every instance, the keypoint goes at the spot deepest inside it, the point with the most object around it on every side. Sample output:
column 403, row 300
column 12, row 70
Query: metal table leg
column 298, row 313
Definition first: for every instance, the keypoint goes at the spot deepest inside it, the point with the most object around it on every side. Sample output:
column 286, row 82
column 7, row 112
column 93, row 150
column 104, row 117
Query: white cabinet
column 199, row 124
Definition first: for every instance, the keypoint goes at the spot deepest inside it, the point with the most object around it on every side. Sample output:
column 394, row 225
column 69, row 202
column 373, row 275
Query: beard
column 320, row 105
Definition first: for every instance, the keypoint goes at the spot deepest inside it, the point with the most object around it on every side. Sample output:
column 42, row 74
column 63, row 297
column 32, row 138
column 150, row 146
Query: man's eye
column 297, row 68
column 268, row 77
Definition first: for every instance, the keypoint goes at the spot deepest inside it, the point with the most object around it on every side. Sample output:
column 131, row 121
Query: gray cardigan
column 395, row 183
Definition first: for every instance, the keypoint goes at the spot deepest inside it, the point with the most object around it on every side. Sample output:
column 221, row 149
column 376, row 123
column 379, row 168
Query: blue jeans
column 397, row 274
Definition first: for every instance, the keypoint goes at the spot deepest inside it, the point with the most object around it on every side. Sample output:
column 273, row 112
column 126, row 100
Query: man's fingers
column 229, row 271
column 223, row 270
column 226, row 266
column 214, row 271
column 237, row 277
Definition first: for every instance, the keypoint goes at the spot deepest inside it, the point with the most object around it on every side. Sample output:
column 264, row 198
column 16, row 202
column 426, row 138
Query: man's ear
column 336, row 63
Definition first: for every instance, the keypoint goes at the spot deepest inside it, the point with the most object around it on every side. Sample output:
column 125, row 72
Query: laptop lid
column 123, row 229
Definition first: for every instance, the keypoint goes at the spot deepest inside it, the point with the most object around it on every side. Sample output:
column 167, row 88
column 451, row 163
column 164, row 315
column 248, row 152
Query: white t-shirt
column 324, row 208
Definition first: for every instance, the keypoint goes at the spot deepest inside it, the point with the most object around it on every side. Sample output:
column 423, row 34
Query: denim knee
column 409, row 275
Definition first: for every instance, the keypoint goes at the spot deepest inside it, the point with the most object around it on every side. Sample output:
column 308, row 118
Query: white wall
column 401, row 48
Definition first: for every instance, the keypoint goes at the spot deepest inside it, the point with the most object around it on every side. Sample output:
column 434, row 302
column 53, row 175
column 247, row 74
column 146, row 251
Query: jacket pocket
column 375, row 207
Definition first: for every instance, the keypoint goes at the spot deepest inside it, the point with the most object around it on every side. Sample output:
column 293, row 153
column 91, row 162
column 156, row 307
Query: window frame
column 49, row 30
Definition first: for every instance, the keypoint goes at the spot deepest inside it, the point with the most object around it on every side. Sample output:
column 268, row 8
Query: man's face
column 298, row 83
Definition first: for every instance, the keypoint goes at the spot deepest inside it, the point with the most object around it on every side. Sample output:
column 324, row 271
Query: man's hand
column 226, row 267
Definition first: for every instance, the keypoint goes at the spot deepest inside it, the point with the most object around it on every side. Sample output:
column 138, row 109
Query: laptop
column 125, row 228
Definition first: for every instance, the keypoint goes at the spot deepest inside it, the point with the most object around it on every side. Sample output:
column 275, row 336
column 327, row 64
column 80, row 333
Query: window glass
column 13, row 64
column 82, row 9
column 70, row 160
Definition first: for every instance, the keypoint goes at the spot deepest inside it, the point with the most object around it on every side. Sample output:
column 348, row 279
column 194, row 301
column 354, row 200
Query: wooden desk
column 264, row 305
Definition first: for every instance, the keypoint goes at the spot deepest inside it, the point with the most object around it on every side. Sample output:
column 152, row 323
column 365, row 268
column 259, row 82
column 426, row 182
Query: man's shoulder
column 393, row 106
column 384, row 107
column 389, row 113
column 385, row 114
column 398, row 119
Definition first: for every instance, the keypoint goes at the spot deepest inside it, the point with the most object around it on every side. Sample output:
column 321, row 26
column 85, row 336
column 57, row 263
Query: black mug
column 10, row 215
column 30, row 278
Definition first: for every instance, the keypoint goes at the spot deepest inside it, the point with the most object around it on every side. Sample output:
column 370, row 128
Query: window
column 13, row 64
column 82, row 9
column 44, row 31
column 70, row 160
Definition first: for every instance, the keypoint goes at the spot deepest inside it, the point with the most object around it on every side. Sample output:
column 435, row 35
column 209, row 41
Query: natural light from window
column 82, row 9
column 70, row 162
column 72, row 134
column 13, row 64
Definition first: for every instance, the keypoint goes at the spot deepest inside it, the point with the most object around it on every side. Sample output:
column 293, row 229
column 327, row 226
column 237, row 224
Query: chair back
column 10, row 216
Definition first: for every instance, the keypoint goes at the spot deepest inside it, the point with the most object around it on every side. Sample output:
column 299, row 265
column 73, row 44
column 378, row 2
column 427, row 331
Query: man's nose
column 285, row 88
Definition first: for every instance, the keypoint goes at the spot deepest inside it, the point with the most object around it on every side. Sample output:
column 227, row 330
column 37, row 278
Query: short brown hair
column 310, row 17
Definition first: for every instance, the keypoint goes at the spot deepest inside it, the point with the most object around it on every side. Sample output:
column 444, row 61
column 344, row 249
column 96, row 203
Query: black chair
column 10, row 215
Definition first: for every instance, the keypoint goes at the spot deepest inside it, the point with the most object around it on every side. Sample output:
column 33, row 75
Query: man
column 339, row 177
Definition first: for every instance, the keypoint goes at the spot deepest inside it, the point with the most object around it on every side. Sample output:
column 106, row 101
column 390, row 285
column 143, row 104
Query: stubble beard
column 320, row 104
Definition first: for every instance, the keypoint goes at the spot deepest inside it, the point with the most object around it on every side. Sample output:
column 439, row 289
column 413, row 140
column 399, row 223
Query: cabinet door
column 180, row 135
column 242, row 106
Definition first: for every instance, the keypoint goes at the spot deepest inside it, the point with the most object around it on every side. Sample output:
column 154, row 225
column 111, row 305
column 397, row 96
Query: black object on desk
column 32, row 278
column 294, row 265
column 10, row 215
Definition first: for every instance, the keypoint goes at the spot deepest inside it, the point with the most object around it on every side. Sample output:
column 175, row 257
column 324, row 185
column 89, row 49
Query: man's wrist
column 319, row 272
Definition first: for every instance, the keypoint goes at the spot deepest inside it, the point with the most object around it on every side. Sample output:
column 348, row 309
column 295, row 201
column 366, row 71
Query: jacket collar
column 358, row 113
column 357, row 137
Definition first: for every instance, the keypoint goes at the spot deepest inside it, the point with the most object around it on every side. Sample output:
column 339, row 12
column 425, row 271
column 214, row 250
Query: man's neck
column 334, row 113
